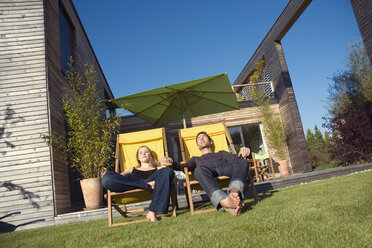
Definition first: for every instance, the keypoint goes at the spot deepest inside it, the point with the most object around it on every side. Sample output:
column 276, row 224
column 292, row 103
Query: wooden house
column 37, row 37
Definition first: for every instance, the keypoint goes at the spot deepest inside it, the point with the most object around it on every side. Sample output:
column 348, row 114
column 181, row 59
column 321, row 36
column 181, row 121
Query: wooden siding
column 271, row 49
column 66, row 187
column 26, row 189
column 363, row 14
column 33, row 187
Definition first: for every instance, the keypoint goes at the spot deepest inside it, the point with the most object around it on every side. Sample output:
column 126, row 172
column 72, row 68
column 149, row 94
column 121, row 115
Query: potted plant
column 273, row 127
column 89, row 146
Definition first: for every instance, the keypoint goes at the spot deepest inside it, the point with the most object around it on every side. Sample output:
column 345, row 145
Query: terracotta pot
column 92, row 192
column 283, row 168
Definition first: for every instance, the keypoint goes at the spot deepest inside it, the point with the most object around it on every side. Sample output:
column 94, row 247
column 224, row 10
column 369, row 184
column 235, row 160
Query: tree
column 320, row 143
column 352, row 139
column 310, row 142
column 352, row 85
column 360, row 68
column 317, row 147
column 350, row 108
column 327, row 140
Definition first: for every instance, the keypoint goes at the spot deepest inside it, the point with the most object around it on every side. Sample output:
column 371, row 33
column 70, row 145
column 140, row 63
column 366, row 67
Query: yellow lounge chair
column 220, row 136
column 127, row 145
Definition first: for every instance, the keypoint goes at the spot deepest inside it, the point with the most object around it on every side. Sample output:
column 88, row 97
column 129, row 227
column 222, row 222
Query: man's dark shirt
column 221, row 157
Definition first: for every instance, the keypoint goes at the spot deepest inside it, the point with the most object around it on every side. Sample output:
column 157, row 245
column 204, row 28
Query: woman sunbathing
column 147, row 175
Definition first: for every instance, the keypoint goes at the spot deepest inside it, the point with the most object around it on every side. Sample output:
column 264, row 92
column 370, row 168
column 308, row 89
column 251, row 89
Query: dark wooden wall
column 271, row 49
column 363, row 14
column 26, row 189
column 65, row 180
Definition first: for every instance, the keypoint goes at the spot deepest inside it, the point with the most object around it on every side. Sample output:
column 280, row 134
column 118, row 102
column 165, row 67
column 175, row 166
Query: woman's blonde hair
column 153, row 162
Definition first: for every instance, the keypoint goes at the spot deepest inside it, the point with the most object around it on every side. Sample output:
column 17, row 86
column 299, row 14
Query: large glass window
column 249, row 136
column 176, row 151
column 65, row 39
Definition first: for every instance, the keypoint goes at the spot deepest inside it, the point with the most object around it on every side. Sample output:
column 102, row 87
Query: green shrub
column 273, row 127
column 89, row 145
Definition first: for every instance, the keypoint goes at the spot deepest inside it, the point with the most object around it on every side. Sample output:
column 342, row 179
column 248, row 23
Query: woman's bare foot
column 151, row 216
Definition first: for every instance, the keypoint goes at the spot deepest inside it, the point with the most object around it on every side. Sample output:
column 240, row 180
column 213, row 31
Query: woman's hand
column 165, row 161
column 103, row 172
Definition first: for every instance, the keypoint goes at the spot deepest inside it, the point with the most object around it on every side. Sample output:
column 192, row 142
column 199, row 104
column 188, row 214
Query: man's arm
column 191, row 164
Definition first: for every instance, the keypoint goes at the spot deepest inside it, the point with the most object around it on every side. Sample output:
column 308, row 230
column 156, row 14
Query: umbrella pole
column 184, row 121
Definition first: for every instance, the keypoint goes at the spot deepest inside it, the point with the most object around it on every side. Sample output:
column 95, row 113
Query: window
column 65, row 39
column 249, row 136
column 176, row 151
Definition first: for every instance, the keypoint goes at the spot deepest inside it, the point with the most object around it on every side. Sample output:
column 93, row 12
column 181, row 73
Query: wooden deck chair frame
column 191, row 182
column 261, row 168
column 115, row 199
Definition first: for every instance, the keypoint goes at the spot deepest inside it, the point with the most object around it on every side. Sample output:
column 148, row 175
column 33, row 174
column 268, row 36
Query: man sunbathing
column 211, row 165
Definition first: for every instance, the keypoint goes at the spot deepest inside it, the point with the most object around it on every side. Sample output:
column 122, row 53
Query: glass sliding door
column 249, row 136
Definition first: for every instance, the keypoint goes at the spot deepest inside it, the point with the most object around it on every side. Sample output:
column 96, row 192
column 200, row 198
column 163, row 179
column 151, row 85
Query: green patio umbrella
column 180, row 101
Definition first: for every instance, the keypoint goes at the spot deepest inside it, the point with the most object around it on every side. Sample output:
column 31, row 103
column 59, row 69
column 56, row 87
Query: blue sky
column 146, row 44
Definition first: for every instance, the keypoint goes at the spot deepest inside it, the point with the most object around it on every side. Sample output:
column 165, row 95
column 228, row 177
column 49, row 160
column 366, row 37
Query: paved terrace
column 264, row 186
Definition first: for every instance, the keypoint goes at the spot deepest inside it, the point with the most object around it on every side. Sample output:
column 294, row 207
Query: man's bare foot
column 151, row 216
column 232, row 203
column 233, row 211
column 234, row 195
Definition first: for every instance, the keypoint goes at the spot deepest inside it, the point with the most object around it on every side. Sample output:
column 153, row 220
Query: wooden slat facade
column 35, row 181
column 26, row 190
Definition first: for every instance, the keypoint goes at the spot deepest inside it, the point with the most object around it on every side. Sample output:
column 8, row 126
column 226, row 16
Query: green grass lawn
column 330, row 213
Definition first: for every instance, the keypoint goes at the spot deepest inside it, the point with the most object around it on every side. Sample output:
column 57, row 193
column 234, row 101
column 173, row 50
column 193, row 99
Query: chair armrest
column 183, row 164
column 184, row 168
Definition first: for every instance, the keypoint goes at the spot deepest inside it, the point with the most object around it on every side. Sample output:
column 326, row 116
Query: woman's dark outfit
column 138, row 180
